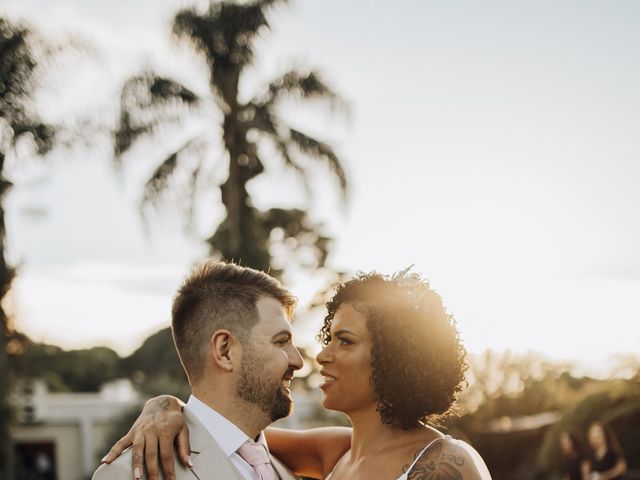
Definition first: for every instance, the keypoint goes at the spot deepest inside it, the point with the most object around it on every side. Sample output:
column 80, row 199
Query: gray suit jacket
column 208, row 459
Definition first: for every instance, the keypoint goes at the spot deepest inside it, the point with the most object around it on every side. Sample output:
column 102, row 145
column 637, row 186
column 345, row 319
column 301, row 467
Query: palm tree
column 223, row 36
column 19, row 127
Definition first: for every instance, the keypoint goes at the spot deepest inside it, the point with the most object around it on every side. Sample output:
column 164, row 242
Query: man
column 231, row 330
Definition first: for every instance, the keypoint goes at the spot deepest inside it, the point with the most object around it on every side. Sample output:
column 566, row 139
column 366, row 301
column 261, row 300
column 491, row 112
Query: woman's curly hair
column 417, row 358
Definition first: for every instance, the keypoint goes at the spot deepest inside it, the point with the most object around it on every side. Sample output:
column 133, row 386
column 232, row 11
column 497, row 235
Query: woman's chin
column 328, row 404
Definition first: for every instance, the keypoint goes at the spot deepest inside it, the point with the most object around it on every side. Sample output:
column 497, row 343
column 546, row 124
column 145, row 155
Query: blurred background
column 494, row 146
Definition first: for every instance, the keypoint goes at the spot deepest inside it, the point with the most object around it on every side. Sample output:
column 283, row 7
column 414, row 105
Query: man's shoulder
column 120, row 469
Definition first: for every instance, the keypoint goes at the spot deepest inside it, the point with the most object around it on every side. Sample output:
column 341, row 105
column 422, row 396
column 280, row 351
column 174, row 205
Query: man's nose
column 295, row 360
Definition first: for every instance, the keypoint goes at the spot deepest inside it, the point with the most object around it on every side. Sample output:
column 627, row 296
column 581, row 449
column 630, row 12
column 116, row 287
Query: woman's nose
column 324, row 356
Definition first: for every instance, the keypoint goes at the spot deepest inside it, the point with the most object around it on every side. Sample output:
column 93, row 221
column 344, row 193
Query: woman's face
column 596, row 436
column 346, row 363
column 566, row 445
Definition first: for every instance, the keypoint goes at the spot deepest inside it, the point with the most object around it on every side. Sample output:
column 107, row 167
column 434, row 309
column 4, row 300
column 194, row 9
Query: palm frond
column 192, row 189
column 161, row 177
column 262, row 120
column 17, row 66
column 164, row 89
column 157, row 183
column 142, row 101
column 224, row 36
column 41, row 134
column 148, row 90
column 306, row 85
column 270, row 3
column 283, row 149
column 127, row 132
column 316, row 149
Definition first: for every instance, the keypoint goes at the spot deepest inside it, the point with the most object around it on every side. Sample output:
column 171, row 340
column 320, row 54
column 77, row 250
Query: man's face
column 269, row 360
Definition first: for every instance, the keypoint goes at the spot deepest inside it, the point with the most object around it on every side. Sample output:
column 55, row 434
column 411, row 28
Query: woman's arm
column 620, row 468
column 310, row 453
column 152, row 435
column 585, row 469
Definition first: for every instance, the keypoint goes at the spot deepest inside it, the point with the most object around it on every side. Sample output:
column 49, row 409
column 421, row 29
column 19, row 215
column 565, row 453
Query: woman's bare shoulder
column 450, row 459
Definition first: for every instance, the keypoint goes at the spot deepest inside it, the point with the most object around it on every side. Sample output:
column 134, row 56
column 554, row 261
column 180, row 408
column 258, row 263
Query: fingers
column 136, row 456
column 117, row 449
column 166, row 456
column 150, row 452
column 184, row 449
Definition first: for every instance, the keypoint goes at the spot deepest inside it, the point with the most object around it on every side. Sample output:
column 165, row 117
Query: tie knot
column 254, row 453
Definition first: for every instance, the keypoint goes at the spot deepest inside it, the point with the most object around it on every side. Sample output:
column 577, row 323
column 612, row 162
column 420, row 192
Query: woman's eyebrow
column 343, row 331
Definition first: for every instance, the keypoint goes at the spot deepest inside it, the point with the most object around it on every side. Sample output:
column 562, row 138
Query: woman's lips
column 328, row 380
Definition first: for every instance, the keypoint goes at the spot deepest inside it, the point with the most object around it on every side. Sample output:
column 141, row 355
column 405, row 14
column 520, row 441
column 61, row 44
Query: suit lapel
column 210, row 462
column 207, row 458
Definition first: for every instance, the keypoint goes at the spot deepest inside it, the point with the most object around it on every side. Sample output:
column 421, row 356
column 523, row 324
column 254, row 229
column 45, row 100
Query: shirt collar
column 224, row 432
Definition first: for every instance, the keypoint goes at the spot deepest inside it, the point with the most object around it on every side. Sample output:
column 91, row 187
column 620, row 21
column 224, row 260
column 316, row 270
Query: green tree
column 20, row 130
column 155, row 366
column 83, row 370
column 223, row 36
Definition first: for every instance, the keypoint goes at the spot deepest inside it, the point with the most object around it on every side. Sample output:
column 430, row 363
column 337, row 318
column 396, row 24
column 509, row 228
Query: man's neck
column 246, row 416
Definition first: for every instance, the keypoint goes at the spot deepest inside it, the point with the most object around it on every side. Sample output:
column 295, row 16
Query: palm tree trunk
column 234, row 202
column 6, row 275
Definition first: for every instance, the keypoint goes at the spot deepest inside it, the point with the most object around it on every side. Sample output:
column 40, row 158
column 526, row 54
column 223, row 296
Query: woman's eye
column 344, row 341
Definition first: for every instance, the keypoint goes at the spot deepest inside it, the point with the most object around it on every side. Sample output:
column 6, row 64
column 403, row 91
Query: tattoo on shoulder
column 164, row 404
column 435, row 463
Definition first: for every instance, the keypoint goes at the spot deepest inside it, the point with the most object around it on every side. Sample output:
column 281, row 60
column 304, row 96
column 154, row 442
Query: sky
column 493, row 145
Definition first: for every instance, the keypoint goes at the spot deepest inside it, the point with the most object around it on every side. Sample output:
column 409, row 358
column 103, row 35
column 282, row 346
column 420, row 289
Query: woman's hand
column 152, row 436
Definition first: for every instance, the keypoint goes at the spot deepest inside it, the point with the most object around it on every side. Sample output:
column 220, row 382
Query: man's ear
column 221, row 343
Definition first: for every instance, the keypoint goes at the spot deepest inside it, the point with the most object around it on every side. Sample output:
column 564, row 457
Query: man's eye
column 283, row 341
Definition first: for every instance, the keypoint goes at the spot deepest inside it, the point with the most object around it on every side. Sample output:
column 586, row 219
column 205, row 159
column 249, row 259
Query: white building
column 61, row 435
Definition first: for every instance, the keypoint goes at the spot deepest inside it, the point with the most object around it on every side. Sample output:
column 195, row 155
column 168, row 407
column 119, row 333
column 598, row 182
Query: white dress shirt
column 226, row 434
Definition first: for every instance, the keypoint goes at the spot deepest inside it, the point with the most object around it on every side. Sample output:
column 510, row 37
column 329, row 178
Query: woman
column 392, row 362
column 575, row 457
column 607, row 459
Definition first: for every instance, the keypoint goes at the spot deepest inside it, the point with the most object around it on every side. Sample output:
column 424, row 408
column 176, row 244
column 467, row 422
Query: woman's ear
column 221, row 343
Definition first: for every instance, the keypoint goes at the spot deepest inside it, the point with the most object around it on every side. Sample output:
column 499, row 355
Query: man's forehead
column 271, row 315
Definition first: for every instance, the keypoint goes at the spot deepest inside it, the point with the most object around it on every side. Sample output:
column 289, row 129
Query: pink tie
column 256, row 455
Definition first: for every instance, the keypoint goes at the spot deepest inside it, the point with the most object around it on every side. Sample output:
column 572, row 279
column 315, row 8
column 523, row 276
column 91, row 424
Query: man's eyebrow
column 287, row 333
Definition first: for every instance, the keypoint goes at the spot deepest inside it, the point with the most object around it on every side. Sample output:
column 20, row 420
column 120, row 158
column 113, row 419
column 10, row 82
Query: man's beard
column 253, row 387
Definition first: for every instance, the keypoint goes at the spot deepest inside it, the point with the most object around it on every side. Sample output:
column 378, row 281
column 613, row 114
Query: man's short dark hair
column 214, row 296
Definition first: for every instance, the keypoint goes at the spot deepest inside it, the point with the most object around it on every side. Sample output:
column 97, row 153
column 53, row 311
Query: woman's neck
column 370, row 435
column 601, row 451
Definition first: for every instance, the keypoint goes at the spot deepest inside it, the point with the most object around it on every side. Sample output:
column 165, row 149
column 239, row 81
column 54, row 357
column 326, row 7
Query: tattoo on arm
column 436, row 464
